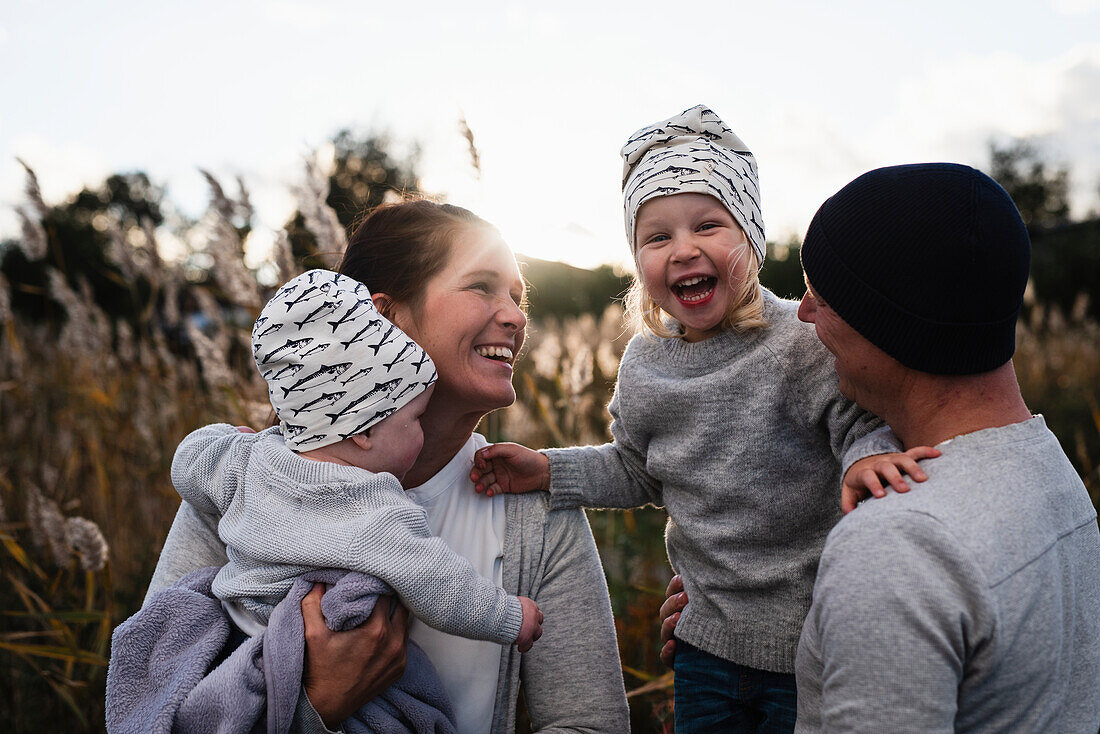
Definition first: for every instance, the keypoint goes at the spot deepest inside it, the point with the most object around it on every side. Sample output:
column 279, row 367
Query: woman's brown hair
column 399, row 247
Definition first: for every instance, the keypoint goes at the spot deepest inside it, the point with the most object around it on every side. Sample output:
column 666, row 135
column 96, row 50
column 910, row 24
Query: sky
column 821, row 92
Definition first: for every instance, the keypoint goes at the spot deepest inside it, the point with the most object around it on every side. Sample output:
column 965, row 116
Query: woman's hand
column 675, row 601
column 866, row 475
column 509, row 467
column 531, row 629
column 344, row 670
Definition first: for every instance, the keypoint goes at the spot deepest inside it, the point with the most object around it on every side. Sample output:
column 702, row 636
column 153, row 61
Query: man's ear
column 362, row 440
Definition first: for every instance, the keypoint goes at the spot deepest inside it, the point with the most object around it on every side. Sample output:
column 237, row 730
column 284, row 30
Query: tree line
column 78, row 234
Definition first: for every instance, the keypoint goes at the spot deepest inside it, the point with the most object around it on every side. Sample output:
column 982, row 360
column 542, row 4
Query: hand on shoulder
column 510, row 468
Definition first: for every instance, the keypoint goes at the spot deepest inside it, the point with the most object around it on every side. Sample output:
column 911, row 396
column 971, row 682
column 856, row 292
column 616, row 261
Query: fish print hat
column 334, row 365
column 693, row 153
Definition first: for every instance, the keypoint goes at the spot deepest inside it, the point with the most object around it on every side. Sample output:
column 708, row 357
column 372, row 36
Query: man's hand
column 344, row 670
column 531, row 629
column 866, row 475
column 675, row 601
column 510, row 468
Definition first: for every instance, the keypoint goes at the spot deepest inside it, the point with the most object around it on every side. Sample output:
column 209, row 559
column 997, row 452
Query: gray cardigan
column 571, row 678
column 740, row 437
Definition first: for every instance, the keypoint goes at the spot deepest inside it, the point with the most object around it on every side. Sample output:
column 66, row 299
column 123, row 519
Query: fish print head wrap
column 693, row 152
column 334, row 365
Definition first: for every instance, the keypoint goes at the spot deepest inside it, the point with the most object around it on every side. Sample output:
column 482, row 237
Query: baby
column 323, row 488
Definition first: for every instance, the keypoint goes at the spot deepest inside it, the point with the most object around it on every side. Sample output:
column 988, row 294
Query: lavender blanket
column 169, row 671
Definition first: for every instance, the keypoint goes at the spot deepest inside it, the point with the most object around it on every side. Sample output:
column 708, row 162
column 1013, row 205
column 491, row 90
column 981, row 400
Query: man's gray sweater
column 283, row 515
column 969, row 604
column 740, row 437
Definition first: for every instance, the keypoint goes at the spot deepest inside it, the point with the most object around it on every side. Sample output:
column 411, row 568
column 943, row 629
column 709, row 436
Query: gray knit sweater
column 282, row 515
column 969, row 604
column 571, row 677
column 740, row 438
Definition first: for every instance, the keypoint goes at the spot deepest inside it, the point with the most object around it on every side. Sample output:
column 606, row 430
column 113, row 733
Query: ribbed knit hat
column 693, row 152
column 334, row 365
column 928, row 262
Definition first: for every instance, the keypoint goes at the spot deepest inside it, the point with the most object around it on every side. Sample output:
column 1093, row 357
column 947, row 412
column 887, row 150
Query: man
column 972, row 602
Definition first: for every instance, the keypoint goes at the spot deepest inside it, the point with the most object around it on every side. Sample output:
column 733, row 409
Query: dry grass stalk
column 5, row 301
column 33, row 243
column 319, row 217
column 475, row 154
column 223, row 243
column 34, row 191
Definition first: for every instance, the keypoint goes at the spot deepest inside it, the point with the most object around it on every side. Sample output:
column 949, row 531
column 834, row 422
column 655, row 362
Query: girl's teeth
column 692, row 299
column 681, row 286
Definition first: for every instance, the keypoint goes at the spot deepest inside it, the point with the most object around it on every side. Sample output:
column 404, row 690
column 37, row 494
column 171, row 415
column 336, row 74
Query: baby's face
column 396, row 441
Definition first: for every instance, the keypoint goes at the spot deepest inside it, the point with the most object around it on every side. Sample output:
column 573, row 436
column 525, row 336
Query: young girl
column 727, row 414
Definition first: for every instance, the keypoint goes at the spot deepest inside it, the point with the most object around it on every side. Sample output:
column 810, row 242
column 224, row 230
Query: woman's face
column 470, row 322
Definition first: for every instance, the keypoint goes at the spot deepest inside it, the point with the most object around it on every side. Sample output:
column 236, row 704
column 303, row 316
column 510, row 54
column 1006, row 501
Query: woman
column 446, row 278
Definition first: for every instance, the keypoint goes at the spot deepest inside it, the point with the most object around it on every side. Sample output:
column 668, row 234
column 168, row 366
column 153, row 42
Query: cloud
column 1075, row 7
column 297, row 14
column 948, row 111
column 959, row 108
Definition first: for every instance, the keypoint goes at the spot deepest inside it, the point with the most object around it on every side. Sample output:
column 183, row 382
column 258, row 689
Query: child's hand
column 675, row 601
column 866, row 475
column 531, row 629
column 509, row 467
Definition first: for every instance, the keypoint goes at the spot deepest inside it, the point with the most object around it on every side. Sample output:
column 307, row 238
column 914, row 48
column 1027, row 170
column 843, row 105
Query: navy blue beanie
column 928, row 262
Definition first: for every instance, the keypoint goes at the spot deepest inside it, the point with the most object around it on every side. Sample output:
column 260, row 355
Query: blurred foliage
column 782, row 271
column 1065, row 257
column 1065, row 265
column 110, row 356
column 1041, row 192
column 364, row 173
column 560, row 290
column 77, row 236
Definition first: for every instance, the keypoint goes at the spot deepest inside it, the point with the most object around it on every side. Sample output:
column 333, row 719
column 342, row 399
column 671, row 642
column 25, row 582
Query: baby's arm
column 435, row 583
column 205, row 469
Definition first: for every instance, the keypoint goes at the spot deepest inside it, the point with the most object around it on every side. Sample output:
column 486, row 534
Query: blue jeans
column 715, row 695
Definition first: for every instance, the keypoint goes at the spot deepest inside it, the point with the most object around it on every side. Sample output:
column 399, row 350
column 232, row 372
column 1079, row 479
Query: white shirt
column 473, row 526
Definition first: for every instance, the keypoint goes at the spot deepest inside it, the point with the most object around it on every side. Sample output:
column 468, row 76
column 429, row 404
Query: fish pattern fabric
column 334, row 365
column 693, row 152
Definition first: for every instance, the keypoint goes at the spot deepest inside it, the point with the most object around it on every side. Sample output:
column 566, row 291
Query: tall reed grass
column 91, row 410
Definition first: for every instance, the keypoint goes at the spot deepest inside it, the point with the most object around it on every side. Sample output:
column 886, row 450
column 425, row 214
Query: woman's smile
column 496, row 353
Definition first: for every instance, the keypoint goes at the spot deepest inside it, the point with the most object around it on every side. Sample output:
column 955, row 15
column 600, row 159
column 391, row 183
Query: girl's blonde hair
column 746, row 309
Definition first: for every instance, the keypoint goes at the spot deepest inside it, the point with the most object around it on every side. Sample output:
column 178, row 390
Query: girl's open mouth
column 695, row 290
